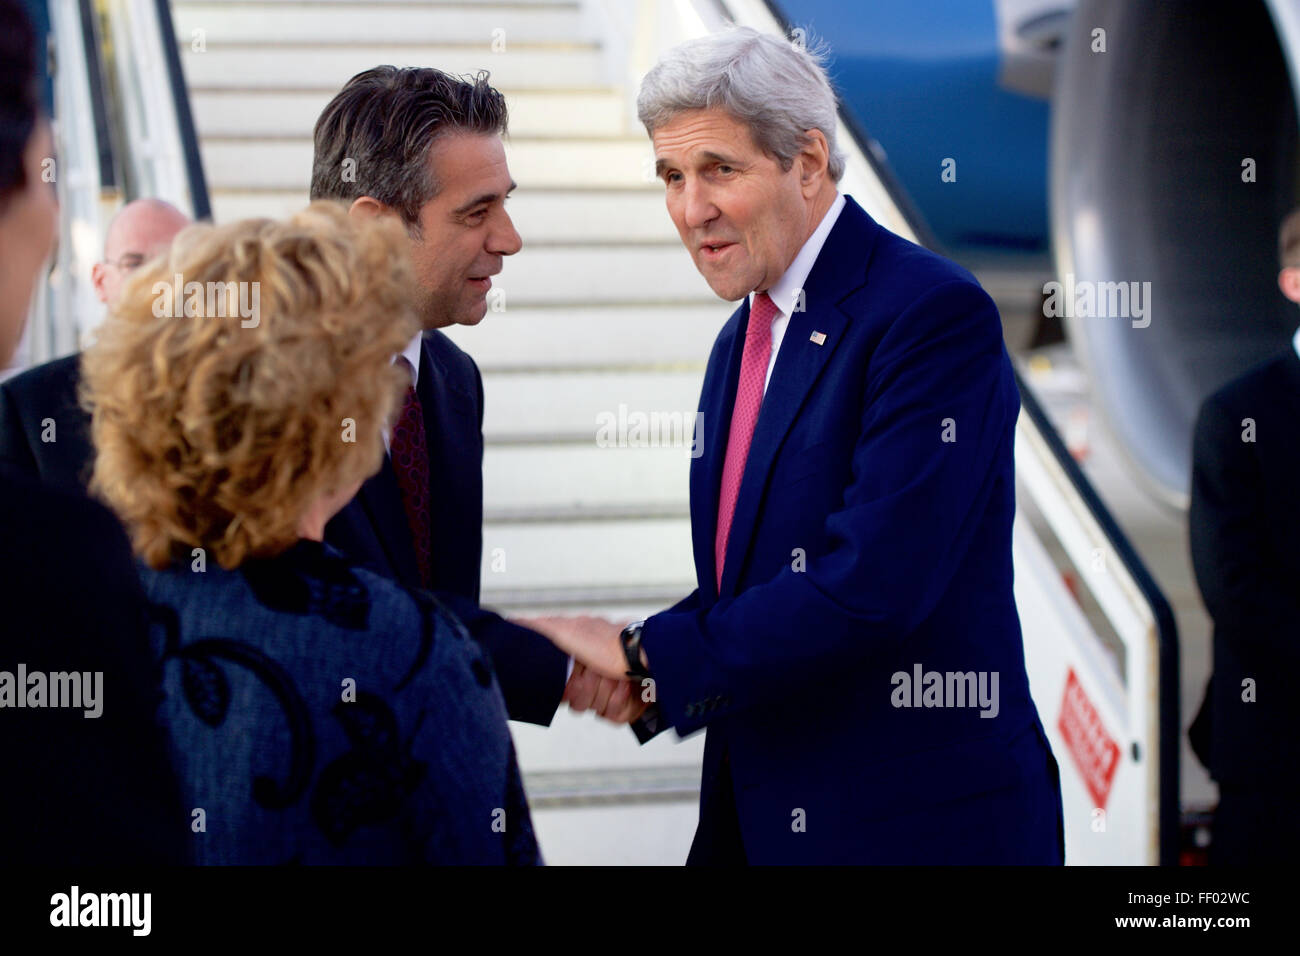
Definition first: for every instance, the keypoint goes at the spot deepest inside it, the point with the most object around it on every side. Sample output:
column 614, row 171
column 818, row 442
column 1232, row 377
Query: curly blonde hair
column 218, row 428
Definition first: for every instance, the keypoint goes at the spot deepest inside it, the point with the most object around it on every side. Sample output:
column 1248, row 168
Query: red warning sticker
column 1094, row 751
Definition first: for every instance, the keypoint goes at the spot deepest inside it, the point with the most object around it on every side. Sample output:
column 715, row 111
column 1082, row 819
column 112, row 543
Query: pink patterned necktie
column 744, row 415
column 409, row 452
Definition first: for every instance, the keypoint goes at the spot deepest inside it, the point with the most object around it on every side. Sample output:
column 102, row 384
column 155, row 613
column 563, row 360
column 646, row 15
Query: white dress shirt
column 412, row 355
column 1295, row 342
column 784, row 293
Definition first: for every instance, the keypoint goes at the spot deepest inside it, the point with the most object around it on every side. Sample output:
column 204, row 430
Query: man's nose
column 504, row 240
column 699, row 209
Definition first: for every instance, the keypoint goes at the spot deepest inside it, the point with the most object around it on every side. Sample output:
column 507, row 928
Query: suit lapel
column 381, row 495
column 447, row 406
column 381, row 500
column 714, row 423
column 452, row 430
column 839, row 271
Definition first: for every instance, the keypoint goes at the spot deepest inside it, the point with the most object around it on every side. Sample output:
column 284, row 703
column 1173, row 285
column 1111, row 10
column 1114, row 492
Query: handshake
column 599, row 680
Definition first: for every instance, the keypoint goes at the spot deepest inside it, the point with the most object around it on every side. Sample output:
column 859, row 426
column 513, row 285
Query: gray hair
column 776, row 87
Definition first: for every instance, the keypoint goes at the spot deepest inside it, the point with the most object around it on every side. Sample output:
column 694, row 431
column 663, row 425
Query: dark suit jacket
column 372, row 529
column 43, row 430
column 863, row 544
column 1244, row 523
column 79, row 790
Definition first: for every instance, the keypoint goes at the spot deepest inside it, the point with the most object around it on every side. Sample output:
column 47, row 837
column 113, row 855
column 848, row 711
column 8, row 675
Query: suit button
column 481, row 672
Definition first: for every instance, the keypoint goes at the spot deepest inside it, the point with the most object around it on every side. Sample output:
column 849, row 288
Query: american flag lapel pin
column 817, row 338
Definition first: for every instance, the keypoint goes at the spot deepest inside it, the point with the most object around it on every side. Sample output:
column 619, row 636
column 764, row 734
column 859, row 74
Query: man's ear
column 813, row 160
column 1288, row 280
column 97, row 277
column 367, row 207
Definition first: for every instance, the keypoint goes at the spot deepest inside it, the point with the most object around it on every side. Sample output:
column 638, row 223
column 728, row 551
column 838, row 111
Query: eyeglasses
column 127, row 262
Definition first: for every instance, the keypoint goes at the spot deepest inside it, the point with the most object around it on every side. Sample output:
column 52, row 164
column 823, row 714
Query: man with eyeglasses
column 43, row 430
column 140, row 231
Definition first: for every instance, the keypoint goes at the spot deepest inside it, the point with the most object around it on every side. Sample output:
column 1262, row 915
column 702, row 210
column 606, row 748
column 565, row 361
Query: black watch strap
column 631, row 640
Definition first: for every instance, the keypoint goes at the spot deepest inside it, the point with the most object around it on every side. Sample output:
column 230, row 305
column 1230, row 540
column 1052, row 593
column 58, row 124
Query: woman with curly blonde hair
column 319, row 713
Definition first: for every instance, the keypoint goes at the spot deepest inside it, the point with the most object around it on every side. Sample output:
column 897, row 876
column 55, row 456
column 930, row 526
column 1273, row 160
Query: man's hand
column 590, row 640
column 618, row 701
column 599, row 680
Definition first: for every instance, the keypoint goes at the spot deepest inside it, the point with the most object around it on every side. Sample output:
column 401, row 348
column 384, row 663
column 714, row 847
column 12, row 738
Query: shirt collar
column 785, row 291
column 412, row 354
column 1295, row 342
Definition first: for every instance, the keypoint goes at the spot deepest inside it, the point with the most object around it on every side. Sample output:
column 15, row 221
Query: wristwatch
column 631, row 640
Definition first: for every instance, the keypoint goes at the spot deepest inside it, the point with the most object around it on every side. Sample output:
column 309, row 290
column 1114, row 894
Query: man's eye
column 725, row 169
column 671, row 178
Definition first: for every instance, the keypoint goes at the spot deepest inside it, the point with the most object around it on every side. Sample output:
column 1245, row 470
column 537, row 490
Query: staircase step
column 584, row 275
column 655, row 553
column 586, row 480
column 319, row 67
column 583, row 407
column 293, row 114
column 379, row 23
column 585, row 336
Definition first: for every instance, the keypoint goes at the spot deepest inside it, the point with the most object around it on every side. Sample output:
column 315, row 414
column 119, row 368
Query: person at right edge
column 1243, row 526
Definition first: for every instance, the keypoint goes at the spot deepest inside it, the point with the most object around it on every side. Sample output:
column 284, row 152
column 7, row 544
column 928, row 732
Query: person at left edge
column 81, row 786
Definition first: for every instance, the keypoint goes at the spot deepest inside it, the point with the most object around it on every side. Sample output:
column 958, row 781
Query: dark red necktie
column 409, row 452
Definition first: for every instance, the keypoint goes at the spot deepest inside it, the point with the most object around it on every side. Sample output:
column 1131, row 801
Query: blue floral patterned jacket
column 321, row 714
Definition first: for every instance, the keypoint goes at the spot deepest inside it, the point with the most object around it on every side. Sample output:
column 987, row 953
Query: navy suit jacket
column 872, row 534
column 371, row 530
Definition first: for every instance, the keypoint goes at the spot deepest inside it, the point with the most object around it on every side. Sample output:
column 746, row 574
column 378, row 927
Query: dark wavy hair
column 384, row 120
column 18, row 101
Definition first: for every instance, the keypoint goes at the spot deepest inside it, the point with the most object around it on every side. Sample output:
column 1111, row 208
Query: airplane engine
column 1173, row 161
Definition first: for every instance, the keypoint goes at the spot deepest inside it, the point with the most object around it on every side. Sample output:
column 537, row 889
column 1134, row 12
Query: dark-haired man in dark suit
column 426, row 147
column 1244, row 525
